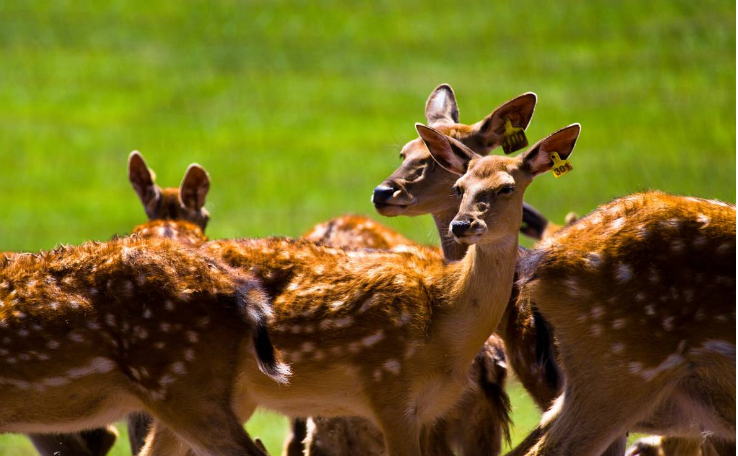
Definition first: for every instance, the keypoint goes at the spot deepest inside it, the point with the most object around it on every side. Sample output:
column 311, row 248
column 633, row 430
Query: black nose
column 459, row 227
column 382, row 193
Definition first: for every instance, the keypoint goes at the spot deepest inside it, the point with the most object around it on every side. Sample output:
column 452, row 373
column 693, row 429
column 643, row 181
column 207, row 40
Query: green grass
column 299, row 108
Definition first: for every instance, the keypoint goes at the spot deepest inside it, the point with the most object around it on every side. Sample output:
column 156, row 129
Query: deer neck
column 479, row 296
column 452, row 250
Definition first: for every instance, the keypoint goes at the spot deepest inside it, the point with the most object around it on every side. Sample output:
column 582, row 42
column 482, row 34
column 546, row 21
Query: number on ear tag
column 560, row 167
column 513, row 139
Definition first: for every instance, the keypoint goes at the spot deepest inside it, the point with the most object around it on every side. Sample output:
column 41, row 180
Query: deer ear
column 537, row 159
column 441, row 107
column 142, row 179
column 519, row 111
column 194, row 187
column 447, row 152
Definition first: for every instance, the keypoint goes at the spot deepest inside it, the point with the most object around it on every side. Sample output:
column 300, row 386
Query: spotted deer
column 176, row 213
column 89, row 334
column 642, row 295
column 388, row 336
column 485, row 396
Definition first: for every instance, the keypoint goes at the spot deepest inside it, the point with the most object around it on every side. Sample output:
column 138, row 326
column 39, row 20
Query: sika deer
column 175, row 213
column 418, row 180
column 642, row 295
column 91, row 333
column 388, row 336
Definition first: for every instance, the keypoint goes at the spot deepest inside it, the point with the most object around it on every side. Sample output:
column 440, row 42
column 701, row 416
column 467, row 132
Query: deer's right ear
column 194, row 187
column 142, row 179
column 518, row 111
column 441, row 107
column 452, row 155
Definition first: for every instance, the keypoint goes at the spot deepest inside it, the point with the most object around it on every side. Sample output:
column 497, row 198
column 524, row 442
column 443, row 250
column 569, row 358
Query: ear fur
column 441, row 107
column 451, row 154
column 519, row 111
column 142, row 179
column 538, row 158
column 194, row 187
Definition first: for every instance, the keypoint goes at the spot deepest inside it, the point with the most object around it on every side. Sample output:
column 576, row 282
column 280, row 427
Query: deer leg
column 54, row 444
column 293, row 445
column 208, row 430
column 577, row 425
column 401, row 437
column 138, row 427
column 99, row 441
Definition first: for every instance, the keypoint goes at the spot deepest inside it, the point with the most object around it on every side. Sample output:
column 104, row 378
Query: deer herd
column 620, row 321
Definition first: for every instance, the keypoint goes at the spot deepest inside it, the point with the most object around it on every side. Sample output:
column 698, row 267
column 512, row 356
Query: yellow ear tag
column 560, row 167
column 513, row 139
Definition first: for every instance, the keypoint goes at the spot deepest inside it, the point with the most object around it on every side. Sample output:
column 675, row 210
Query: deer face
column 177, row 203
column 419, row 186
column 491, row 188
column 491, row 195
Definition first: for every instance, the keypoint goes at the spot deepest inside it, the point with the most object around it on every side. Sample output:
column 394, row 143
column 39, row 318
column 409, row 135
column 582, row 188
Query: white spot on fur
column 618, row 348
column 635, row 367
column 625, row 273
column 596, row 330
column 307, row 347
column 393, row 366
column 377, row 375
column 617, row 223
column 52, row 344
column 369, row 341
column 593, row 260
column 597, row 312
column 193, row 337
column 618, row 323
column 668, row 324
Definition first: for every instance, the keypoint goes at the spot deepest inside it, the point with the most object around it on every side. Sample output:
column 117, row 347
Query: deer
column 177, row 213
column 388, row 336
column 641, row 293
column 173, row 212
column 92, row 333
column 485, row 395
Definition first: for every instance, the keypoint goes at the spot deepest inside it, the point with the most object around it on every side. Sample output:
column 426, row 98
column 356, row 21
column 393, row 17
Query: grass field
column 299, row 108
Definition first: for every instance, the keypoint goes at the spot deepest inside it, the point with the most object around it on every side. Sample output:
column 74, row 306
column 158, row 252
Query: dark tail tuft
column 266, row 355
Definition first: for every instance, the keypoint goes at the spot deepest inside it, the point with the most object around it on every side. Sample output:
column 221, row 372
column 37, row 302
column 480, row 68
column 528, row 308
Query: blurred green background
column 299, row 108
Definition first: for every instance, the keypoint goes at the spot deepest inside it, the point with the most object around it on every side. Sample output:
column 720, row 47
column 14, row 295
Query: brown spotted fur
column 171, row 218
column 642, row 295
column 91, row 333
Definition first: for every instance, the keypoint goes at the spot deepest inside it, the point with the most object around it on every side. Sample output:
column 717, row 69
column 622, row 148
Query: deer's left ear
column 518, row 111
column 142, row 180
column 538, row 160
column 447, row 152
column 441, row 107
column 194, row 187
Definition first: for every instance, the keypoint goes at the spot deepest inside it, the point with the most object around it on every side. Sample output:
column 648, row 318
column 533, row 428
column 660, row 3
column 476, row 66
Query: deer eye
column 507, row 189
column 459, row 192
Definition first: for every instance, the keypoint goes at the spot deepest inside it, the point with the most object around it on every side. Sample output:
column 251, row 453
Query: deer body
column 92, row 333
column 642, row 295
column 174, row 213
column 353, row 323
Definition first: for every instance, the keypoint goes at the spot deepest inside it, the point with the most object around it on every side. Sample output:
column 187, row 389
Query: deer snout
column 382, row 193
column 460, row 227
column 467, row 230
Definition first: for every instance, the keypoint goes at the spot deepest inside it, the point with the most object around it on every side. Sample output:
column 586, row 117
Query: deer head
column 183, row 203
column 419, row 186
column 491, row 188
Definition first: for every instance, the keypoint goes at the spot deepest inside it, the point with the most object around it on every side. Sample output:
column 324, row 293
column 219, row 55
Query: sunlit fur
column 476, row 425
column 642, row 295
column 89, row 334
